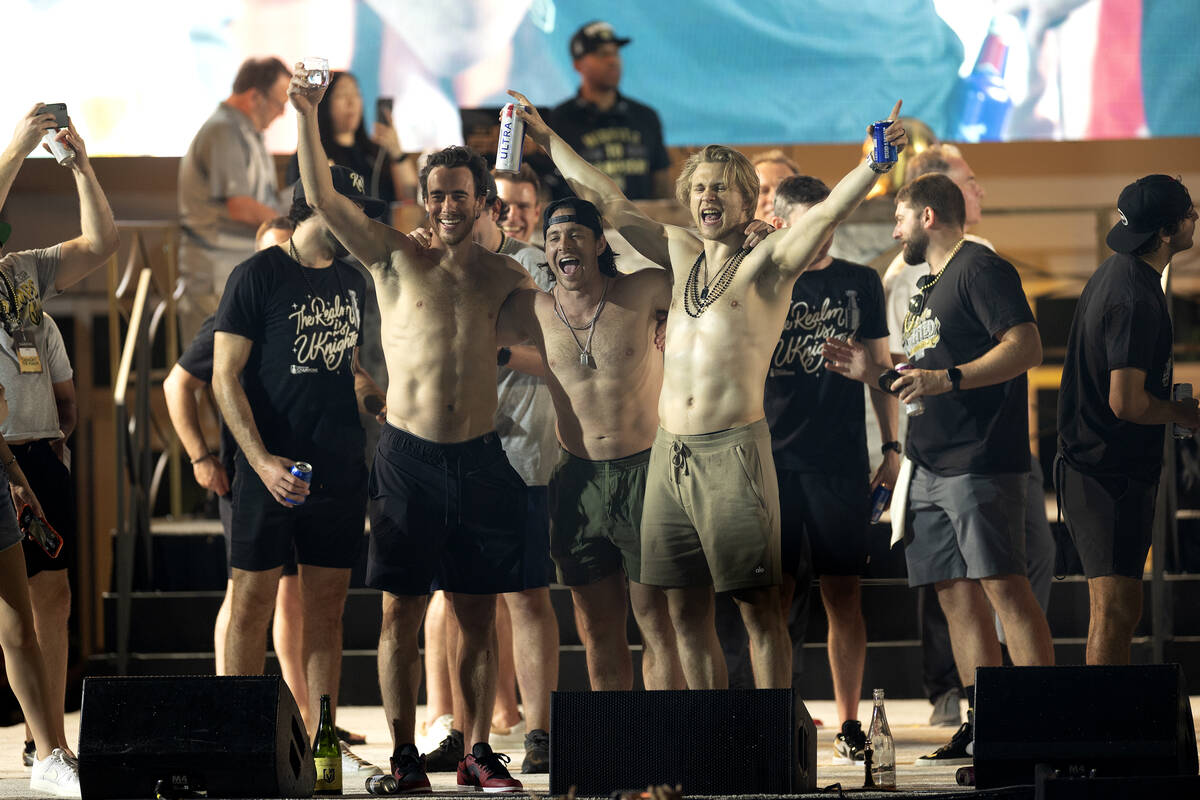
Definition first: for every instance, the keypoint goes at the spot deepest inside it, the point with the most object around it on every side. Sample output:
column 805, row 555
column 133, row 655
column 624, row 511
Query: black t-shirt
column 374, row 165
column 816, row 416
column 625, row 142
column 1121, row 321
column 197, row 360
column 984, row 430
column 299, row 379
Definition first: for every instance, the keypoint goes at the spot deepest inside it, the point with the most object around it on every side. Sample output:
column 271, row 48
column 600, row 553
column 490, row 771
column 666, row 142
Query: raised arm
column 646, row 235
column 369, row 241
column 230, row 354
column 794, row 249
column 98, row 231
column 28, row 133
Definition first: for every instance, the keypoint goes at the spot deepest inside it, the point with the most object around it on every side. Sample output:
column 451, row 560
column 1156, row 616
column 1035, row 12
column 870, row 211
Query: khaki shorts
column 712, row 511
column 595, row 513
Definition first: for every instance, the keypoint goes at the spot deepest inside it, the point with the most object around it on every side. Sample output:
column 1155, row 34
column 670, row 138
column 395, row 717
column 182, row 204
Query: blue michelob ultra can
column 879, row 501
column 883, row 151
column 303, row 471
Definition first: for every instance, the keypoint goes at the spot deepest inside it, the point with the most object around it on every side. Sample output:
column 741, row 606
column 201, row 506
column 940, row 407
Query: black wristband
column 205, row 457
column 502, row 356
column 955, row 376
column 893, row 445
column 400, row 158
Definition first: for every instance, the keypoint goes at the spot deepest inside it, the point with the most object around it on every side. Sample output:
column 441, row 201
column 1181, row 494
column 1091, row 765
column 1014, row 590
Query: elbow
column 1035, row 354
column 1127, row 409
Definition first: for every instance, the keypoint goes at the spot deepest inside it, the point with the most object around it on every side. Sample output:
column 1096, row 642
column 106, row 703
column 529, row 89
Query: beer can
column 1181, row 391
column 303, row 471
column 512, row 140
column 915, row 407
column 879, row 501
column 882, row 152
column 62, row 153
column 382, row 784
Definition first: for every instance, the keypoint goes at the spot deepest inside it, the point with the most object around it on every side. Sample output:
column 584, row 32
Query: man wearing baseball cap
column 618, row 135
column 1114, row 404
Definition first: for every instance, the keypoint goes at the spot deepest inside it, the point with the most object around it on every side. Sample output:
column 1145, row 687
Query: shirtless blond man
column 444, row 501
column 711, row 516
column 595, row 331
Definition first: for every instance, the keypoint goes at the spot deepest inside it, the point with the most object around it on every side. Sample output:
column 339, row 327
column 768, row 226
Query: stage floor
column 908, row 718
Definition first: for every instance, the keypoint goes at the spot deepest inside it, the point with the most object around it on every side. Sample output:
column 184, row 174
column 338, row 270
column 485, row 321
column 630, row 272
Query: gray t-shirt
column 525, row 411
column 227, row 158
column 32, row 413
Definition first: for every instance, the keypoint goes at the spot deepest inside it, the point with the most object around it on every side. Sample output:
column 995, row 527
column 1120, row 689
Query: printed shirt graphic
column 816, row 416
column 625, row 142
column 29, row 276
column 299, row 379
column 984, row 430
column 1121, row 321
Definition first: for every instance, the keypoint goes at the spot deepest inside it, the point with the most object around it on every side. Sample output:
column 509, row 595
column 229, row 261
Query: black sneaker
column 408, row 770
column 348, row 737
column 850, row 745
column 960, row 750
column 537, row 752
column 29, row 754
column 447, row 755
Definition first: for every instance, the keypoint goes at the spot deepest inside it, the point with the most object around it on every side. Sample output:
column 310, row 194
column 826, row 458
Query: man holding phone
column 30, row 373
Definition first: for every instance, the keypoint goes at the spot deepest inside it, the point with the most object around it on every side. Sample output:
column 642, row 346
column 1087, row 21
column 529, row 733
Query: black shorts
column 225, row 510
column 1110, row 519
column 52, row 485
column 824, row 518
column 326, row 530
column 450, row 513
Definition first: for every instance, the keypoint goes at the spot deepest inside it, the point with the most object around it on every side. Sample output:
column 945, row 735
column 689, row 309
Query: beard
column 915, row 248
column 339, row 249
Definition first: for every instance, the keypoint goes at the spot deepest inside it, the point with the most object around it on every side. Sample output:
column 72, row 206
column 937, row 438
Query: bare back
column 439, row 339
column 716, row 364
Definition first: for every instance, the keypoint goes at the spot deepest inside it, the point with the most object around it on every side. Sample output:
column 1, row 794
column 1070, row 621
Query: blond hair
column 738, row 172
column 776, row 156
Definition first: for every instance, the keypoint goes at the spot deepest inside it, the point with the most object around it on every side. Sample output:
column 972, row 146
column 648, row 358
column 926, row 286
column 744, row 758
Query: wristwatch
column 503, row 354
column 891, row 446
column 955, row 376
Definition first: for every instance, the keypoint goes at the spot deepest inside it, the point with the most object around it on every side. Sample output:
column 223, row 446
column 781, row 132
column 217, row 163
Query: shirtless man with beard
column 444, row 501
column 711, row 516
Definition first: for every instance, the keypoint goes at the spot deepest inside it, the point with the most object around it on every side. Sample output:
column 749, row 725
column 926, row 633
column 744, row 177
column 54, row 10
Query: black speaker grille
column 710, row 742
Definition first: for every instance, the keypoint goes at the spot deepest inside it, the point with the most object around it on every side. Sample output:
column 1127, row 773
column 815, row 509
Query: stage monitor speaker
column 226, row 737
column 1105, row 722
column 719, row 742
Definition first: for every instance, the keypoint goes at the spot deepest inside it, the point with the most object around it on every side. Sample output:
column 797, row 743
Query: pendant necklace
column 697, row 298
column 585, row 349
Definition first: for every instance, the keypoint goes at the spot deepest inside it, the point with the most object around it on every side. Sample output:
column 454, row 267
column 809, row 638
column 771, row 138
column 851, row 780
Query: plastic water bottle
column 883, row 764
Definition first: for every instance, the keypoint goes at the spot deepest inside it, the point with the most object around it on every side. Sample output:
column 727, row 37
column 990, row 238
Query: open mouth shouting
column 568, row 265
column 711, row 217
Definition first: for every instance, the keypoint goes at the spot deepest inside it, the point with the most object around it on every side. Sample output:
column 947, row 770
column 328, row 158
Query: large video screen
column 140, row 76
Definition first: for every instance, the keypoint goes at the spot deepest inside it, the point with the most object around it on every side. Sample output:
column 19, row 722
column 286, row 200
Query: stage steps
column 172, row 625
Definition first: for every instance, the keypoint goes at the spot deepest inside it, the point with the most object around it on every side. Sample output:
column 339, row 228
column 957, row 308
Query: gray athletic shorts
column 965, row 526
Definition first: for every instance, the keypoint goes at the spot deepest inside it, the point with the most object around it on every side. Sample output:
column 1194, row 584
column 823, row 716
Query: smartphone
column 59, row 110
column 383, row 110
column 37, row 529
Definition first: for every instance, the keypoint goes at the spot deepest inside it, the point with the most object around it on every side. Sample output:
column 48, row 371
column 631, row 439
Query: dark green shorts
column 595, row 516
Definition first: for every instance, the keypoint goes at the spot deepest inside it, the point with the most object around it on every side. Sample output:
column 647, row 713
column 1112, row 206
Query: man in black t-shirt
column 970, row 337
column 819, row 440
column 284, row 356
column 619, row 136
column 1114, row 402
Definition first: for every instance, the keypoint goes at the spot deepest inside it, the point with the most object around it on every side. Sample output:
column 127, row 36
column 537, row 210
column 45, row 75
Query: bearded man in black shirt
column 1114, row 402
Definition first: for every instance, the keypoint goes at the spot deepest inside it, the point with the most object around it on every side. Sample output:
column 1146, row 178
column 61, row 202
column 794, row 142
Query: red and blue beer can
column 303, row 471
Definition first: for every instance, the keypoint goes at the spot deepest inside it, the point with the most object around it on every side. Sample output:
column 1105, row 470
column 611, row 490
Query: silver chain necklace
column 585, row 350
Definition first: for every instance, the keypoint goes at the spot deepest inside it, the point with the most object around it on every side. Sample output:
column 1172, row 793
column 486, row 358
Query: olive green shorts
column 712, row 510
column 595, row 513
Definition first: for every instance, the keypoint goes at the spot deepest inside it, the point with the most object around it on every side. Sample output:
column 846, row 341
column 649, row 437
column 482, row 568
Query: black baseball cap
column 583, row 213
column 592, row 35
column 354, row 186
column 5, row 232
column 1147, row 206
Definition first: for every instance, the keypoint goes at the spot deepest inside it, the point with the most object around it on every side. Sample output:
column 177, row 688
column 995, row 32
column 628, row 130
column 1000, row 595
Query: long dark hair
column 325, row 120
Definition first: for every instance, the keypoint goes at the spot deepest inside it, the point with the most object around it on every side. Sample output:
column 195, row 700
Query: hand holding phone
column 38, row 530
column 59, row 110
column 62, row 153
column 383, row 110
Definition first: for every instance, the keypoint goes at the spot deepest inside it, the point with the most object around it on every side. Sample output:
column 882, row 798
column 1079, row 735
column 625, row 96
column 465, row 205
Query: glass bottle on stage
column 883, row 764
column 985, row 101
column 327, row 753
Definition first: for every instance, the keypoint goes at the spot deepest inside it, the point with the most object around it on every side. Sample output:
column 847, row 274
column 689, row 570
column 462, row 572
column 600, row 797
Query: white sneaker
column 57, row 773
column 438, row 729
column 355, row 767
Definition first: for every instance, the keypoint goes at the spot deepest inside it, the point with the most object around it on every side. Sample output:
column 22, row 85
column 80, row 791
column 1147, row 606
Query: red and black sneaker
column 408, row 768
column 485, row 770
